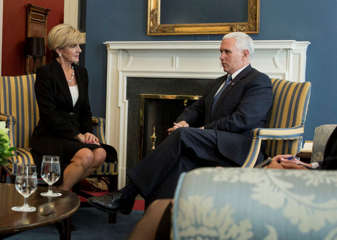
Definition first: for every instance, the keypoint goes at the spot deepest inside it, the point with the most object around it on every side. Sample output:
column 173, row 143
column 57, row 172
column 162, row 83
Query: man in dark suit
column 214, row 131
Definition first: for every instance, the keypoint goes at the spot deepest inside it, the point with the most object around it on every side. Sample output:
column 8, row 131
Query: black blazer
column 243, row 106
column 59, row 119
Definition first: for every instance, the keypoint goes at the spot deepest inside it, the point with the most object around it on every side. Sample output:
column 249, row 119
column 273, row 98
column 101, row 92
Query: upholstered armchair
column 236, row 203
column 285, row 126
column 322, row 134
column 18, row 108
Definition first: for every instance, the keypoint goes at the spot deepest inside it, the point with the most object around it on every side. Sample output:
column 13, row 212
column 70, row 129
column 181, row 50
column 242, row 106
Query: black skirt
column 70, row 148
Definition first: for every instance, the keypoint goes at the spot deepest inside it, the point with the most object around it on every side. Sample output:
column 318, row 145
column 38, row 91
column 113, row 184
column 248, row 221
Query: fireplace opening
column 157, row 114
column 136, row 86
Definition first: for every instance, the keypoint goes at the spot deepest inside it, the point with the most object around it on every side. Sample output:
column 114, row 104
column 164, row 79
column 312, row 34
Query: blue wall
column 301, row 20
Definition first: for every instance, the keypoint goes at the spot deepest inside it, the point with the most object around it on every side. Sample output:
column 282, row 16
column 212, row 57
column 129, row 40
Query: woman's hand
column 274, row 164
column 289, row 159
column 281, row 162
column 290, row 165
column 280, row 158
column 88, row 138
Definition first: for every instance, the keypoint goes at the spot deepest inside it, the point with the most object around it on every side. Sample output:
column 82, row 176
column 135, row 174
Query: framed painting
column 194, row 17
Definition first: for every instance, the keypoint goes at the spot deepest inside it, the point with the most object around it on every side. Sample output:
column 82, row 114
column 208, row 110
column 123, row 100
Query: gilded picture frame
column 252, row 26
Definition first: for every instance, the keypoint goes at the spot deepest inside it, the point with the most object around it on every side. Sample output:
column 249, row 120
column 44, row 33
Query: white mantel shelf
column 284, row 59
column 258, row 44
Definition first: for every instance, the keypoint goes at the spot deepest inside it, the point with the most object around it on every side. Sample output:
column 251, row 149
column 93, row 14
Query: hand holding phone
column 264, row 163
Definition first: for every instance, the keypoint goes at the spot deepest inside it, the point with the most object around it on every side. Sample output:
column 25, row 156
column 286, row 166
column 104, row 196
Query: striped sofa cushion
column 289, row 109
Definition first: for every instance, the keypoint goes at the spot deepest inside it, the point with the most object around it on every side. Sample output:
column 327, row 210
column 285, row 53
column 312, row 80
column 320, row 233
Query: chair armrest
column 278, row 133
column 10, row 123
column 98, row 125
column 9, row 119
column 260, row 134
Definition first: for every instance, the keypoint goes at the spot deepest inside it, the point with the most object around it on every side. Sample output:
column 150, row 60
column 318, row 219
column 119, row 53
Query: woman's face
column 70, row 54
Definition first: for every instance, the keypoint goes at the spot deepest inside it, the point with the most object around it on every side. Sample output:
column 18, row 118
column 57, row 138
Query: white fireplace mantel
column 183, row 59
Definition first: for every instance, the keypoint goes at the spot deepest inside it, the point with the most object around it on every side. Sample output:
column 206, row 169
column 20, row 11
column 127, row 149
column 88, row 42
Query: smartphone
column 264, row 163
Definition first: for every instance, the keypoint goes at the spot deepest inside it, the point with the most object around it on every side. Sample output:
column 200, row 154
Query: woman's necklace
column 72, row 75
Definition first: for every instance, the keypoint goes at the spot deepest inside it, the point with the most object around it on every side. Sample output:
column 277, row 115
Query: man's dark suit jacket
column 243, row 106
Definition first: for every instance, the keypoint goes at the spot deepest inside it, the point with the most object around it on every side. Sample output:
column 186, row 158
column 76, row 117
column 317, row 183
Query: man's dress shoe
column 112, row 203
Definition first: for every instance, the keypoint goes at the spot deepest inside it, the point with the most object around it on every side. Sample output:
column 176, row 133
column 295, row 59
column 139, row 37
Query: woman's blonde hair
column 64, row 35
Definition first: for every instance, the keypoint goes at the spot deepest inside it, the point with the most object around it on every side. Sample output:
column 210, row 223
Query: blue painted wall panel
column 302, row 20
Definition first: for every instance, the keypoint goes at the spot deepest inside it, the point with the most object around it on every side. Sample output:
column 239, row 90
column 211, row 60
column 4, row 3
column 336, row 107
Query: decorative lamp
column 34, row 48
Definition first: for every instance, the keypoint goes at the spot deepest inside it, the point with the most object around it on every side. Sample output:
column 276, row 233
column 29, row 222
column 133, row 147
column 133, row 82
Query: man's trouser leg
column 185, row 149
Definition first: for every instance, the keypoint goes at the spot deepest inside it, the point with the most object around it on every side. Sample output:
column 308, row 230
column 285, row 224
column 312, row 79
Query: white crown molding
column 182, row 59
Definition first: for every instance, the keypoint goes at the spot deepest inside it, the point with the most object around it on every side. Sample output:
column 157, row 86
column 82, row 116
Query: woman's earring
column 60, row 55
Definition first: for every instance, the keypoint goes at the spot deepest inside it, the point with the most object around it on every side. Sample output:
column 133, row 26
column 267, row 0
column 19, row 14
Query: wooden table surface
column 48, row 210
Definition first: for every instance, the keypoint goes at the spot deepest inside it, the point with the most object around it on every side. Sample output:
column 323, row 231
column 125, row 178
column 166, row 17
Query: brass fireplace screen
column 157, row 114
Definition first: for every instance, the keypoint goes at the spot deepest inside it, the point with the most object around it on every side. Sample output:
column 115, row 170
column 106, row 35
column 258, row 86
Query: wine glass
column 25, row 184
column 50, row 173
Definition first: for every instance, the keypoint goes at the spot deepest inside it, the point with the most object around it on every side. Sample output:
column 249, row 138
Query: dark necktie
column 216, row 97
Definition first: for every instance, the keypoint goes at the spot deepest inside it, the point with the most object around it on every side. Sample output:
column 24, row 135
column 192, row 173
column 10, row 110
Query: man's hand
column 88, row 138
column 177, row 125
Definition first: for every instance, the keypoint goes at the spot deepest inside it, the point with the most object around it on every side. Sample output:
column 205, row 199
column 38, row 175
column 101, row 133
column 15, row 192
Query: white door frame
column 71, row 12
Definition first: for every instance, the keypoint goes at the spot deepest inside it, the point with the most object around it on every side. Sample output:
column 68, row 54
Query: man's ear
column 245, row 54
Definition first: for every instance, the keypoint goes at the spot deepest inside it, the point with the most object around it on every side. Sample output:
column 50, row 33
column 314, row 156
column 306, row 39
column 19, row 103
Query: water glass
column 25, row 184
column 50, row 173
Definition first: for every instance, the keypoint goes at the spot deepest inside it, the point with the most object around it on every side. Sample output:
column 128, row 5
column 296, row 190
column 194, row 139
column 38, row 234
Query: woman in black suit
column 65, row 125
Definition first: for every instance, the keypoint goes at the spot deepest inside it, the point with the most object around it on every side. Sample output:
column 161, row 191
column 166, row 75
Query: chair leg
column 3, row 175
column 12, row 178
column 112, row 187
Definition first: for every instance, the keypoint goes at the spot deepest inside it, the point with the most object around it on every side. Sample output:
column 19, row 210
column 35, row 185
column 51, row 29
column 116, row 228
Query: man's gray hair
column 243, row 41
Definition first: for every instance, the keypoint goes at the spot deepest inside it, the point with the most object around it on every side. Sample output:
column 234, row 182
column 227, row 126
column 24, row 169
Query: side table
column 304, row 156
column 48, row 210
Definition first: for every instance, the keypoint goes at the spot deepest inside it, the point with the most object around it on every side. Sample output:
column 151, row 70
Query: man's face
column 231, row 59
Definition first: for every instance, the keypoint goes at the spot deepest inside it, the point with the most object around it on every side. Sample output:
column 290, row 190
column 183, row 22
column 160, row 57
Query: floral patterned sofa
column 236, row 203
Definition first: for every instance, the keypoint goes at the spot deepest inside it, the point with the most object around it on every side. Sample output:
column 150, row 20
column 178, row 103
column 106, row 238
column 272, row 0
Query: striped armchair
column 285, row 126
column 18, row 107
